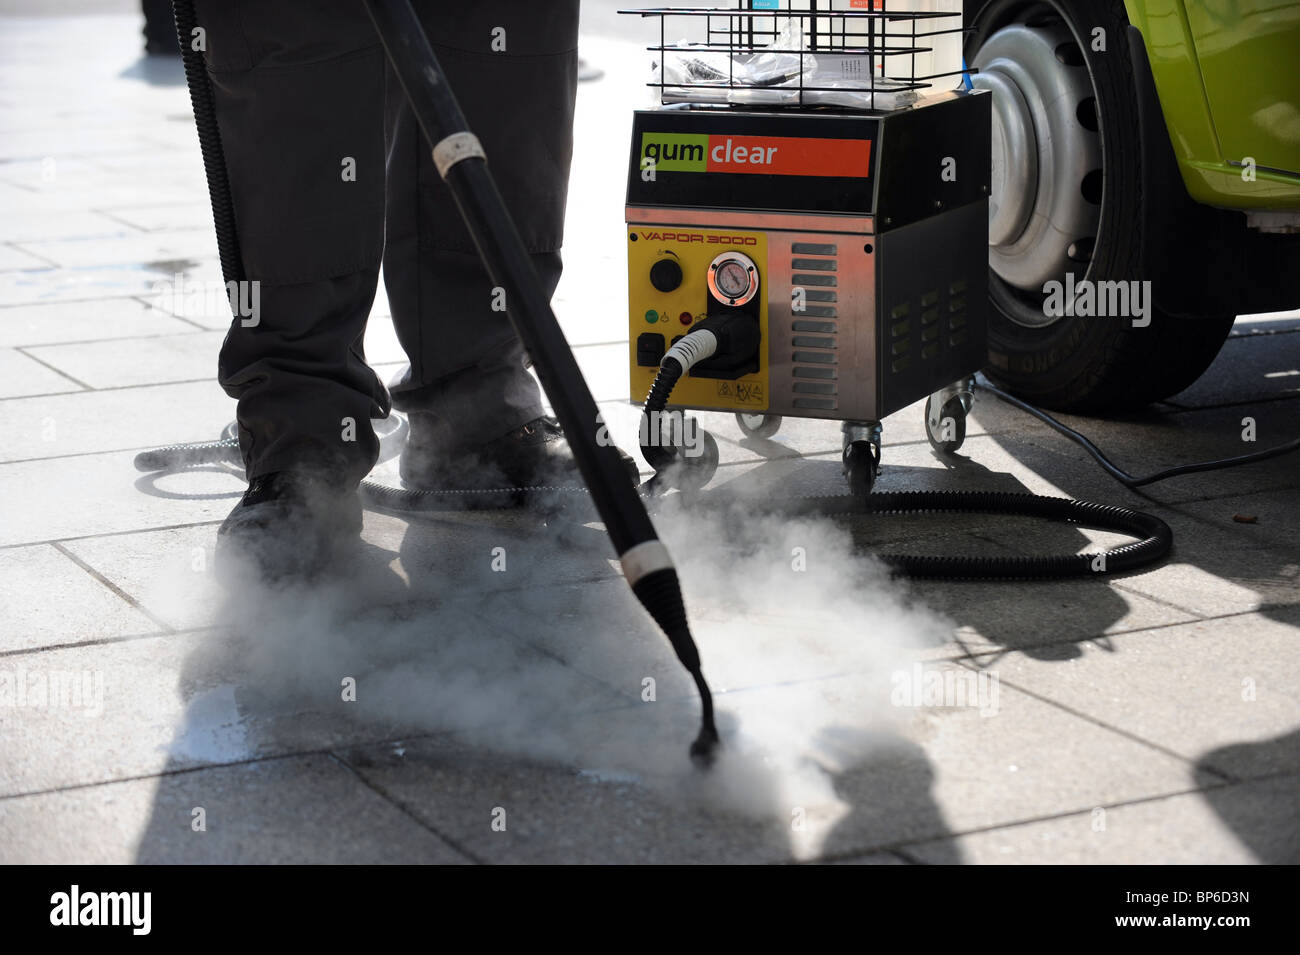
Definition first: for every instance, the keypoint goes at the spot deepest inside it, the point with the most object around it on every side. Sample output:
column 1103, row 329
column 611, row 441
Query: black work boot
column 289, row 524
column 533, row 456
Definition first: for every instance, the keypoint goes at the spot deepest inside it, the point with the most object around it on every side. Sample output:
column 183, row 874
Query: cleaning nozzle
column 705, row 748
column 655, row 583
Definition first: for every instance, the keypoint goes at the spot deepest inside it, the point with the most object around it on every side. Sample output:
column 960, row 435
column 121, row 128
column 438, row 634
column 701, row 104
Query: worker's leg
column 298, row 88
column 513, row 67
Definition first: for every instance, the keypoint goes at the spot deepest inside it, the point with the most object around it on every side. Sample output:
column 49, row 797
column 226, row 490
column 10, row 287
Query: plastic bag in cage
column 697, row 73
column 784, row 73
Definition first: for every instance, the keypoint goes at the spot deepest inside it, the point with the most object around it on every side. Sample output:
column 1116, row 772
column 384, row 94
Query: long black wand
column 459, row 158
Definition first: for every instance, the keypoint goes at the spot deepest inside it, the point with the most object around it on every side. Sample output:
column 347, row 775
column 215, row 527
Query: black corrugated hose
column 1155, row 537
column 214, row 160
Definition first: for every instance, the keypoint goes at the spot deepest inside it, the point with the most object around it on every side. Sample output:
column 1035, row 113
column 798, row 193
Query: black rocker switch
column 649, row 349
column 666, row 275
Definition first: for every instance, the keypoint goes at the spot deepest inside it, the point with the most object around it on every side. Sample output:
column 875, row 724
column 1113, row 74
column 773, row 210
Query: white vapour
column 799, row 636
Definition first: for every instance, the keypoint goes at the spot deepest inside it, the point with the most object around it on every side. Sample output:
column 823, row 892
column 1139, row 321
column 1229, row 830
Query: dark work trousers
column 330, row 174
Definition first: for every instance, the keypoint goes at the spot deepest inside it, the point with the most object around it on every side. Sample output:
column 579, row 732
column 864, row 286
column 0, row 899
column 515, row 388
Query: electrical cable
column 1123, row 476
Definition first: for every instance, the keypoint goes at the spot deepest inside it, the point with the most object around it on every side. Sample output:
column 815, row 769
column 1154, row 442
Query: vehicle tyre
column 1066, row 194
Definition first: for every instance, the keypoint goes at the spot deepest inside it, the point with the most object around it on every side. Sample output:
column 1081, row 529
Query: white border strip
column 454, row 148
column 643, row 559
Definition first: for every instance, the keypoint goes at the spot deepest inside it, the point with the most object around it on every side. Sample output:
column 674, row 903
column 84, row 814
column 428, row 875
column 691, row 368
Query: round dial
column 733, row 278
column 666, row 275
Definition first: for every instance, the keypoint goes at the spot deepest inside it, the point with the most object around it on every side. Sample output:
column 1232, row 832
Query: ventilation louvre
column 814, row 267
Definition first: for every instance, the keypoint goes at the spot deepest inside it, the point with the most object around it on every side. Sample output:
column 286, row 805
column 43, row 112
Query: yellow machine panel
column 652, row 251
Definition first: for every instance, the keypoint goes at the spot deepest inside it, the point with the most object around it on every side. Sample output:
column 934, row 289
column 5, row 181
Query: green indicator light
column 651, row 316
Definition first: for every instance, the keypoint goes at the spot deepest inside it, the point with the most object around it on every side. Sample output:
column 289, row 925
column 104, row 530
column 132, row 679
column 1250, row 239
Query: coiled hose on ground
column 1154, row 536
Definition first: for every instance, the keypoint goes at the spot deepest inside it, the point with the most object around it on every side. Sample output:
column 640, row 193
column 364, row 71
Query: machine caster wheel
column 861, row 465
column 688, row 473
column 947, row 429
column 758, row 425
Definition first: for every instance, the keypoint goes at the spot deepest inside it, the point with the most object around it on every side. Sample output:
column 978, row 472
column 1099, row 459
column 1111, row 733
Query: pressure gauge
column 733, row 278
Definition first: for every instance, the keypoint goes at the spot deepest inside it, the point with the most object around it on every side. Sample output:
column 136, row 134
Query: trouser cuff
column 475, row 405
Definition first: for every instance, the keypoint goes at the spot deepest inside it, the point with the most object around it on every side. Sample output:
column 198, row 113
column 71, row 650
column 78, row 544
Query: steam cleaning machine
column 839, row 247
column 809, row 264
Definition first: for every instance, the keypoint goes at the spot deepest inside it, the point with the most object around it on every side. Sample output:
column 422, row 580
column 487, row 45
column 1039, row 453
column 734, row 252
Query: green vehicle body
column 1227, row 73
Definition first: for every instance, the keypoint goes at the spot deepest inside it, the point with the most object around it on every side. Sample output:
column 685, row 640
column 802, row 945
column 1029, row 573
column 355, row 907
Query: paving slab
column 81, row 187
column 13, row 258
column 270, row 684
column 1049, row 619
column 96, row 494
column 306, row 810
column 1237, row 824
column 50, row 600
column 78, row 285
column 875, row 787
column 170, row 574
column 1188, row 688
column 85, row 321
column 1152, row 441
column 954, row 769
column 1262, row 519
column 37, row 143
column 86, row 422
column 184, row 166
column 98, row 252
column 34, row 225
column 159, row 217
column 1220, row 566
column 121, row 363
column 548, row 814
column 29, row 185
column 21, row 375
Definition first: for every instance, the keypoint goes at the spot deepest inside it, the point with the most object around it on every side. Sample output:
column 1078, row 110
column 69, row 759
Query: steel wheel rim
column 1045, row 208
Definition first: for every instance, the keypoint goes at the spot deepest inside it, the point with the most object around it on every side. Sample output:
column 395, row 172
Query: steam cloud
column 799, row 637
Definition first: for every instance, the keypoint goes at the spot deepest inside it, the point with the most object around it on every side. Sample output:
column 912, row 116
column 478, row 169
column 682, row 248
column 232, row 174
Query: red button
column 686, row 318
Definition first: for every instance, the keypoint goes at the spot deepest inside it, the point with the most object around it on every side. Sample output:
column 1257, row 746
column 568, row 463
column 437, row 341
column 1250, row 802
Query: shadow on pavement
column 1264, row 814
column 156, row 70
